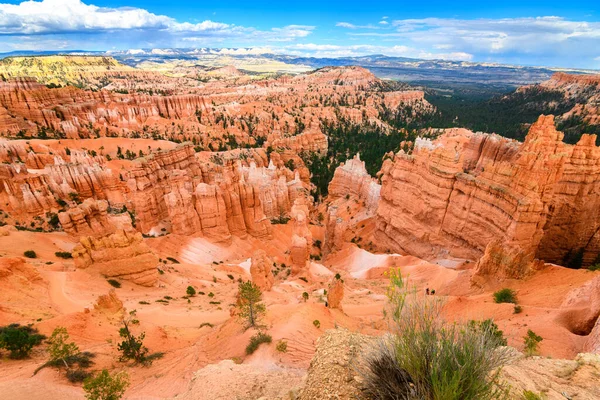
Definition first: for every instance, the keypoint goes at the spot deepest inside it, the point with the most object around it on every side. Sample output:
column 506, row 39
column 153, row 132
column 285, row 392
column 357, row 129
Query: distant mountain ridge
column 416, row 71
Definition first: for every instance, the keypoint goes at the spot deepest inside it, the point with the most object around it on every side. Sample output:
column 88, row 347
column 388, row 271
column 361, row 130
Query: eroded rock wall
column 455, row 195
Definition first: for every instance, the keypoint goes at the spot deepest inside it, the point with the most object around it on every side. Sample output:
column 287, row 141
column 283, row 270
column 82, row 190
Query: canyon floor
column 149, row 183
column 204, row 361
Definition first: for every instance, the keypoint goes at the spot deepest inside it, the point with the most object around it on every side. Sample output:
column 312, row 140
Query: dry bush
column 426, row 357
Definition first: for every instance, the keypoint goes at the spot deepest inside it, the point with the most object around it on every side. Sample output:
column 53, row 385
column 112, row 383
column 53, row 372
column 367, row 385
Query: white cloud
column 531, row 36
column 348, row 25
column 383, row 22
column 328, row 50
column 51, row 17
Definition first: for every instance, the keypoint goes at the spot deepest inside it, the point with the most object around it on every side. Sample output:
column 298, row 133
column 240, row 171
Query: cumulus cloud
column 328, row 50
column 51, row 17
column 532, row 36
column 54, row 16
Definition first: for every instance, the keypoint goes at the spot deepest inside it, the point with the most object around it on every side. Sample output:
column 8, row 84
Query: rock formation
column 335, row 293
column 455, row 195
column 580, row 312
column 260, row 270
column 16, row 267
column 351, row 185
column 119, row 255
column 352, row 179
column 109, row 303
column 301, row 236
column 500, row 261
column 109, row 245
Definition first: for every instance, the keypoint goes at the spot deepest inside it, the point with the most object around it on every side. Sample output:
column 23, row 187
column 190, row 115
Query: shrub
column 173, row 260
column 202, row 325
column 595, row 267
column 256, row 341
column 230, row 277
column 305, row 296
column 114, row 283
column 532, row 342
column 19, row 340
column 190, row 291
column 281, row 346
column 427, row 358
column 505, row 296
column 517, row 309
column 316, row 323
column 77, row 375
column 529, row 395
column 105, row 386
column 143, row 302
column 30, row 254
column 63, row 254
column 383, row 378
column 490, row 330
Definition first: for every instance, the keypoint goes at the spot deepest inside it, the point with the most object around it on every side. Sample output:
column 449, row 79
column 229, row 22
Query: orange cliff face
column 168, row 191
column 455, row 195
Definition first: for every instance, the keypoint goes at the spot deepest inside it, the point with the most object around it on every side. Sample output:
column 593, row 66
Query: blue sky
column 552, row 33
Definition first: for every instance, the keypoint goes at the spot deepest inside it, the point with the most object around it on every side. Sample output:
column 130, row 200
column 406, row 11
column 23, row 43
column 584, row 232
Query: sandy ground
column 204, row 346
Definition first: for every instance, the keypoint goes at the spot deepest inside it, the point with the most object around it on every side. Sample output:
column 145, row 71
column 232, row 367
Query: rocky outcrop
column 580, row 312
column 260, row 270
column 16, row 267
column 455, row 195
column 172, row 189
column 109, row 244
column 33, row 192
column 334, row 231
column 500, row 262
column 88, row 219
column 301, row 236
column 335, row 293
column 118, row 255
column 353, row 197
column 109, row 303
column 334, row 371
column 352, row 179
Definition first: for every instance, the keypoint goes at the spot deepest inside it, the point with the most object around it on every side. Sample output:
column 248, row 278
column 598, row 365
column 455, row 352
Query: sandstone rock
column 118, row 255
column 352, row 179
column 109, row 303
column 335, row 293
column 351, row 184
column 88, row 219
column 16, row 267
column 455, row 195
column 580, row 311
column 301, row 236
column 260, row 270
column 504, row 262
column 334, row 231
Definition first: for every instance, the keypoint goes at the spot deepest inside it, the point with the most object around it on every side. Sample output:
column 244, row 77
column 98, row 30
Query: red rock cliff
column 458, row 193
